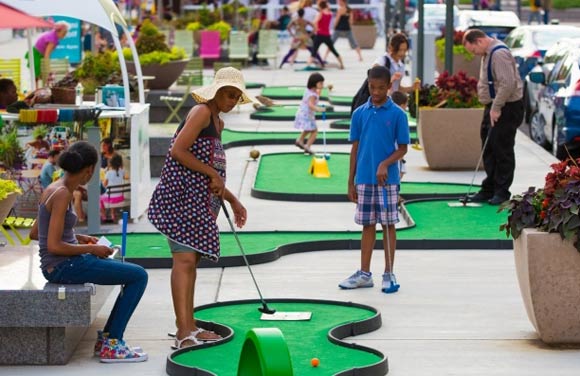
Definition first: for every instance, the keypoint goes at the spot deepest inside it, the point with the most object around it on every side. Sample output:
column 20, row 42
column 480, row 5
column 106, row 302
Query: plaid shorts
column 370, row 207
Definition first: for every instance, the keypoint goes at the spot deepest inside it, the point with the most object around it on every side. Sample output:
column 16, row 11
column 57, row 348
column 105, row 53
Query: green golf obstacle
column 340, row 100
column 265, row 353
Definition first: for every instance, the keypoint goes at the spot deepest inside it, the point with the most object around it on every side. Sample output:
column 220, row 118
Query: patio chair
column 268, row 45
column 209, row 45
column 58, row 67
column 191, row 76
column 239, row 49
column 184, row 39
column 10, row 68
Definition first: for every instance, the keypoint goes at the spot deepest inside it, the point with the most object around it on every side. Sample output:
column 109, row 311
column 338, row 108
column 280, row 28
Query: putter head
column 266, row 310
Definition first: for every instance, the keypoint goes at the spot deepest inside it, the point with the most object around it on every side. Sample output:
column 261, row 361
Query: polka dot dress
column 183, row 207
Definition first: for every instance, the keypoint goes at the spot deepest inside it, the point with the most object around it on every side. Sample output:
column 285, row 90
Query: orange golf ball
column 315, row 362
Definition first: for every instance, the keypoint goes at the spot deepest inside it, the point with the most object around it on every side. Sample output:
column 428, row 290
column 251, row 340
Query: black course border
column 335, row 335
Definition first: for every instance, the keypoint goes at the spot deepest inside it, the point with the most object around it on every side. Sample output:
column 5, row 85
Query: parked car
column 555, row 122
column 433, row 17
column 529, row 43
column 497, row 24
column 63, row 132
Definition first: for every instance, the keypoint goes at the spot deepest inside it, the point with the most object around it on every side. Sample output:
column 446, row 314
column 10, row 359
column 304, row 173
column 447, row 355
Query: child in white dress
column 305, row 117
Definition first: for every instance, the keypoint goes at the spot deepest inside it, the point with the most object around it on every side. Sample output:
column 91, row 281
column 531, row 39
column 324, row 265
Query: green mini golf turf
column 305, row 339
column 288, row 173
column 289, row 92
column 288, row 113
column 340, row 100
column 230, row 137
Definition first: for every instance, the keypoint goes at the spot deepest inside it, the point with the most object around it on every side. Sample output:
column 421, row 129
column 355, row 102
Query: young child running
column 306, row 115
column 379, row 132
column 66, row 257
column 115, row 175
column 187, row 200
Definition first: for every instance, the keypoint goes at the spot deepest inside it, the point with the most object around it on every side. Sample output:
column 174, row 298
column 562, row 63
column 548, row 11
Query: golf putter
column 464, row 201
column 394, row 285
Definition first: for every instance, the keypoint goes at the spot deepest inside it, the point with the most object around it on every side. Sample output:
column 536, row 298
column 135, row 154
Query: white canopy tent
column 103, row 13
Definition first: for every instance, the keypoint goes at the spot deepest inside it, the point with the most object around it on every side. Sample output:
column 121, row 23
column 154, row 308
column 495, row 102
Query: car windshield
column 546, row 39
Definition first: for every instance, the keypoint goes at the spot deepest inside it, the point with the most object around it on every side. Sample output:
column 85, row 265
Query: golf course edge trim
column 335, row 335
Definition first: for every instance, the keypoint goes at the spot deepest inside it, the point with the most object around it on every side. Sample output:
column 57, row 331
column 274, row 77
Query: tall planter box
column 548, row 271
column 6, row 205
column 365, row 35
column 450, row 137
column 471, row 68
column 165, row 74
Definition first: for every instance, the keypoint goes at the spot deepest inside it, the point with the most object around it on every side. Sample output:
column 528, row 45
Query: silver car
column 497, row 24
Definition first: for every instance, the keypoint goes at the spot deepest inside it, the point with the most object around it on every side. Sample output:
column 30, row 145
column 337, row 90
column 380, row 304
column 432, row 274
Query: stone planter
column 165, row 74
column 365, row 35
column 548, row 271
column 450, row 137
column 471, row 68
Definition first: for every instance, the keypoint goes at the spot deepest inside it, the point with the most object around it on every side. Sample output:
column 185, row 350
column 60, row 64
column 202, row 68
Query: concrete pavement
column 459, row 312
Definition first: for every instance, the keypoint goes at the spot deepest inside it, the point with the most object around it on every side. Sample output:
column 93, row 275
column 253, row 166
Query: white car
column 63, row 132
column 433, row 17
column 497, row 24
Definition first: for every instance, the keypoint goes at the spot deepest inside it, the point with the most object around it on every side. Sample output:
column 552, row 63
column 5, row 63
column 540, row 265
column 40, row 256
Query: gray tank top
column 47, row 259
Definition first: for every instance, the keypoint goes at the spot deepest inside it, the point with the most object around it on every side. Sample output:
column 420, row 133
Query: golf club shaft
column 227, row 214
column 478, row 163
column 388, row 237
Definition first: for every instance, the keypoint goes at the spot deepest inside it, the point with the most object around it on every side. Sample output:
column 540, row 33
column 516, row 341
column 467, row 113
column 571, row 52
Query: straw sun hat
column 227, row 76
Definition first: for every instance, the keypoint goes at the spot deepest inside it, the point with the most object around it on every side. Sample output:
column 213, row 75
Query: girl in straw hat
column 186, row 202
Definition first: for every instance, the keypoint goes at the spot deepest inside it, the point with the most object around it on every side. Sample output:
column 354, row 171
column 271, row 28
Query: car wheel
column 537, row 125
column 558, row 151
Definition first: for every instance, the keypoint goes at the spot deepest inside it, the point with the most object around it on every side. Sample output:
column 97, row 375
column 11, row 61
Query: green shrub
column 223, row 27
column 193, row 26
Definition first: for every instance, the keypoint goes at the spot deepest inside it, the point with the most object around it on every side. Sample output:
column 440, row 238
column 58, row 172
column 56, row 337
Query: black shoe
column 497, row 200
column 479, row 197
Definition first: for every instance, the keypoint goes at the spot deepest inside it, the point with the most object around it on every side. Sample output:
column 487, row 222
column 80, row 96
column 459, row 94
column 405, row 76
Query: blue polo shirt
column 378, row 130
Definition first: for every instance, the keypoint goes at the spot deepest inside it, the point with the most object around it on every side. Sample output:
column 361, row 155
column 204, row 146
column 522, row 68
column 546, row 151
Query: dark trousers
column 499, row 157
column 323, row 39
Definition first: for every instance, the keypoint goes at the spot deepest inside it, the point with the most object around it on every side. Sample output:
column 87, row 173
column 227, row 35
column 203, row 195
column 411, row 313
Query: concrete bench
column 39, row 325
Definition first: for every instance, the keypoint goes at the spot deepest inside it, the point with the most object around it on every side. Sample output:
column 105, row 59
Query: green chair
column 193, row 73
column 268, row 45
column 184, row 39
column 239, row 49
column 191, row 76
column 58, row 67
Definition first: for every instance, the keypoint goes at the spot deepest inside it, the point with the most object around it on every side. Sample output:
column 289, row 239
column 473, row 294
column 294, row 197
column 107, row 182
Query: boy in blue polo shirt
column 379, row 132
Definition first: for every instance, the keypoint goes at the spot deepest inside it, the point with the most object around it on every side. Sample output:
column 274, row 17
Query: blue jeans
column 91, row 269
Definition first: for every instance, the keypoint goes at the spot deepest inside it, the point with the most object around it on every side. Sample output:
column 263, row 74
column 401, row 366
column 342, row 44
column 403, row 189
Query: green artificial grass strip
column 344, row 122
column 235, row 136
column 151, row 245
column 305, row 339
column 436, row 220
column 341, row 100
column 288, row 173
column 254, row 85
column 289, row 92
column 288, row 113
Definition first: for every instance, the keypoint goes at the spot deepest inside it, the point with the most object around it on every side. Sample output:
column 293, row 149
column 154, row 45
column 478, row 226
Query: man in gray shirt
column 500, row 89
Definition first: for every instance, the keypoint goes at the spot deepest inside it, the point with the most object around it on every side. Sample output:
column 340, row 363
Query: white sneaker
column 357, row 280
column 390, row 284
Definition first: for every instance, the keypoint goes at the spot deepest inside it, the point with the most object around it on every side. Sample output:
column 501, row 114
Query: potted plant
column 463, row 60
column 157, row 59
column 9, row 191
column 449, row 122
column 363, row 28
column 545, row 226
column 11, row 153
